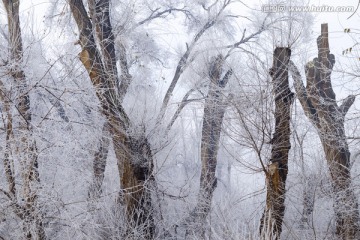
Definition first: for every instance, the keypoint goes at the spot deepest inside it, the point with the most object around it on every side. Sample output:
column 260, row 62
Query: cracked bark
column 319, row 103
column 26, row 146
column 214, row 110
column 277, row 170
column 133, row 153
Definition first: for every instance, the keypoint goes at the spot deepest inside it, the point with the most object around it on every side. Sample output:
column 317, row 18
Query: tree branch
column 181, row 67
column 91, row 59
column 100, row 15
column 183, row 62
column 126, row 77
column 313, row 84
column 346, row 104
column 55, row 101
column 326, row 62
column 225, row 79
column 302, row 95
column 244, row 39
column 183, row 103
column 160, row 14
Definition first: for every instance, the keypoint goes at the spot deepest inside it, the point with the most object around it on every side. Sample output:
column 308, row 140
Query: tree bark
column 99, row 163
column 133, row 153
column 319, row 103
column 100, row 16
column 26, row 145
column 214, row 110
column 277, row 170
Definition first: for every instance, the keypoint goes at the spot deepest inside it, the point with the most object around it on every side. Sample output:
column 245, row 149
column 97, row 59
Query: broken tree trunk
column 133, row 153
column 276, row 174
column 319, row 103
column 214, row 110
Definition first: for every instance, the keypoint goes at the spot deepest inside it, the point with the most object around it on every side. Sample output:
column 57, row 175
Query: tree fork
column 319, row 103
column 134, row 156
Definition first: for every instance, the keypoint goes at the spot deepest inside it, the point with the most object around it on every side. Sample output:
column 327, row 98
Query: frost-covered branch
column 160, row 14
column 183, row 62
column 183, row 103
column 302, row 95
column 346, row 104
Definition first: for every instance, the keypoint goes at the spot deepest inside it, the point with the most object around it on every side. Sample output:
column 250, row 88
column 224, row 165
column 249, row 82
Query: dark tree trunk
column 276, row 174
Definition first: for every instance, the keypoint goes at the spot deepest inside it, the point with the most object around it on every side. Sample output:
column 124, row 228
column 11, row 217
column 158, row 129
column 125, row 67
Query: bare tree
column 319, row 104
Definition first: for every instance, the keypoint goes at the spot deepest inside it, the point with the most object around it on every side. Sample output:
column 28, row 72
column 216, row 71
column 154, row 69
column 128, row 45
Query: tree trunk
column 136, row 182
column 214, row 111
column 99, row 164
column 25, row 144
column 319, row 103
column 276, row 174
column 133, row 153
